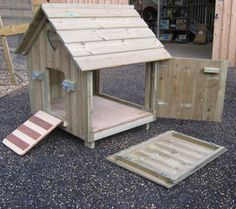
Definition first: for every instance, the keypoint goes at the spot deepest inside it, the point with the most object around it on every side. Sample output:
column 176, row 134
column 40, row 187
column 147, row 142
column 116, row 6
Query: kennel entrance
column 109, row 114
column 57, row 94
column 112, row 114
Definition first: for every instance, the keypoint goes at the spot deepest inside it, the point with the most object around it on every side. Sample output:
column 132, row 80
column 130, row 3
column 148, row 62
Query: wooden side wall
column 78, row 103
column 36, row 3
column 224, row 44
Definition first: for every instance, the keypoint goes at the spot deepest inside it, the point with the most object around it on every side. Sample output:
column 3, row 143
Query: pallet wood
column 167, row 159
column 31, row 132
column 224, row 43
column 7, row 56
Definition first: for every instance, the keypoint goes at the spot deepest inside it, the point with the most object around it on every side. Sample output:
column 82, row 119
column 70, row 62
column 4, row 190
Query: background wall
column 224, row 44
column 37, row 2
column 15, row 11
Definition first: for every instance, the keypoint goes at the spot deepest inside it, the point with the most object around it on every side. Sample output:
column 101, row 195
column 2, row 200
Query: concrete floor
column 190, row 50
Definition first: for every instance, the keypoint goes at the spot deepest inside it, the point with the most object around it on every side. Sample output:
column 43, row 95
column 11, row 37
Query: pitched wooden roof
column 98, row 36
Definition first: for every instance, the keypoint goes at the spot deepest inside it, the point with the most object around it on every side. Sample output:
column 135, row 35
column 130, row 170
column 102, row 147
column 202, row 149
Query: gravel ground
column 61, row 173
column 20, row 65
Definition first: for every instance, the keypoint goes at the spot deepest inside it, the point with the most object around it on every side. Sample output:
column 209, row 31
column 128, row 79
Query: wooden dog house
column 67, row 45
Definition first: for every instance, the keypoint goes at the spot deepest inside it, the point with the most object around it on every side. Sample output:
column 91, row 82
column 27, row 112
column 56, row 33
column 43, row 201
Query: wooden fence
column 36, row 3
column 16, row 12
column 224, row 44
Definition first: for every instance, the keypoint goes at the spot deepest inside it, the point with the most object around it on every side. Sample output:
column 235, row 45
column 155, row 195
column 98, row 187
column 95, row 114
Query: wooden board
column 108, row 114
column 185, row 91
column 96, row 23
column 167, row 159
column 86, row 63
column 36, row 3
column 16, row 12
column 7, row 55
column 13, row 30
column 224, row 43
column 96, row 48
column 31, row 132
column 104, row 34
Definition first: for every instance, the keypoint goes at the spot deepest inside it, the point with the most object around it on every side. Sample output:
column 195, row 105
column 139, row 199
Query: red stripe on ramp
column 42, row 123
column 28, row 131
column 17, row 141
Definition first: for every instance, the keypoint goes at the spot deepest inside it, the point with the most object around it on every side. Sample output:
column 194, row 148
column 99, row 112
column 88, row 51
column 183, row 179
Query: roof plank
column 99, row 12
column 88, row 6
column 106, row 47
column 96, row 23
column 98, row 36
column 118, row 59
column 104, row 34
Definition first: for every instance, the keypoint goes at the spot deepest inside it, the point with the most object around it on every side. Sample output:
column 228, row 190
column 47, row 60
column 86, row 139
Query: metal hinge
column 37, row 75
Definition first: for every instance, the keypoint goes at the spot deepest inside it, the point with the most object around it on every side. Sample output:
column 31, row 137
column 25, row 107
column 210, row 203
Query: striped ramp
column 31, row 132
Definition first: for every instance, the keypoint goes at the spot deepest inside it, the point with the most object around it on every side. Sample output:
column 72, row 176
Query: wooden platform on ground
column 168, row 158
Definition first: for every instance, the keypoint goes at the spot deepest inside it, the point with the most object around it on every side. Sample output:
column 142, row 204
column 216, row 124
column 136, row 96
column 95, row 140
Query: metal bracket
column 37, row 75
column 68, row 85
column 211, row 70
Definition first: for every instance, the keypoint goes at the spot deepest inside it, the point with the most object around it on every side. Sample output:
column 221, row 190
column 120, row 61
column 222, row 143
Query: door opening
column 57, row 94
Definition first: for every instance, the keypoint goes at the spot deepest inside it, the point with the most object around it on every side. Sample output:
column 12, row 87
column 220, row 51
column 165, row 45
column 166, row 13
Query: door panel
column 185, row 91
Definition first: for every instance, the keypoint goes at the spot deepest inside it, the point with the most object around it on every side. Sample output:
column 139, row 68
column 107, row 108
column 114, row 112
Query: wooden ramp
column 31, row 132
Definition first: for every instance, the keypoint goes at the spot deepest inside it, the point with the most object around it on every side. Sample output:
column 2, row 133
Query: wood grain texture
column 98, row 36
column 16, row 12
column 108, row 114
column 224, row 43
column 232, row 36
column 168, row 158
column 96, row 23
column 186, row 92
column 13, row 30
column 86, row 63
column 36, row 3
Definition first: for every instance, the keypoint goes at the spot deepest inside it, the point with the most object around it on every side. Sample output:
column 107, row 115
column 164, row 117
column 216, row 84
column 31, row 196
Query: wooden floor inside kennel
column 108, row 114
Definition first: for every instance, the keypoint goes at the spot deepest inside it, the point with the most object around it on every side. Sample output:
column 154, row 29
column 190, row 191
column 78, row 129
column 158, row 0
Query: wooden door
column 224, row 43
column 191, row 89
